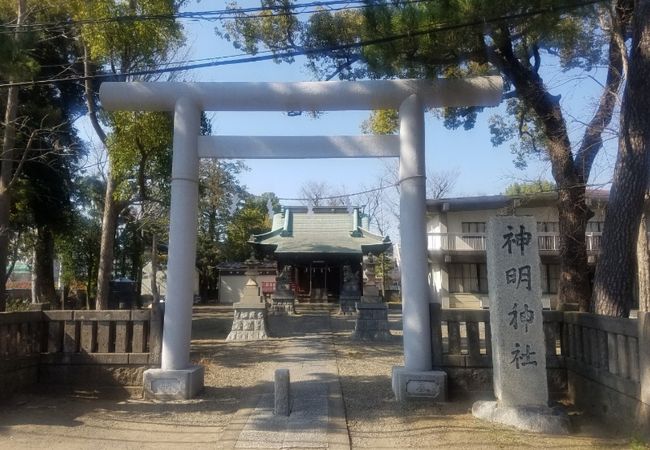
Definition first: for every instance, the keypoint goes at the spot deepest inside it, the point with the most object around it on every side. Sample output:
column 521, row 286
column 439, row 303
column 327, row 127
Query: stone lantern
column 249, row 322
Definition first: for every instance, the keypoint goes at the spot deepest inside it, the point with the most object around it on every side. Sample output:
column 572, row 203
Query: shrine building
column 317, row 243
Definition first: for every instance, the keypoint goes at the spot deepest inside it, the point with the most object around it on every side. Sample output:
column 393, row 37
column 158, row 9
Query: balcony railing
column 548, row 242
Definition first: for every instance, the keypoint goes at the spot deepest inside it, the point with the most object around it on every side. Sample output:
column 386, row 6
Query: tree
column 319, row 193
column 534, row 187
column 45, row 147
column 120, row 47
column 459, row 38
column 251, row 218
column 614, row 282
column 78, row 246
column 8, row 155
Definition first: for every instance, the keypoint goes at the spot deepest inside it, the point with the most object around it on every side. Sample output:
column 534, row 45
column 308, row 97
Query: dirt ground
column 237, row 372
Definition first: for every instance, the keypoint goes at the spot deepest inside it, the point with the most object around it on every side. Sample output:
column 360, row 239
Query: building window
column 548, row 227
column 550, row 278
column 468, row 278
column 595, row 227
column 473, row 227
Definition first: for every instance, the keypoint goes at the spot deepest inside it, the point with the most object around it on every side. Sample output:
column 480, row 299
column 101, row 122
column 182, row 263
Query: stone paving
column 317, row 418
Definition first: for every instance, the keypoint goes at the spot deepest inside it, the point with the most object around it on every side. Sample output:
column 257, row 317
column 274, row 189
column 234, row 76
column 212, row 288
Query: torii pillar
column 177, row 378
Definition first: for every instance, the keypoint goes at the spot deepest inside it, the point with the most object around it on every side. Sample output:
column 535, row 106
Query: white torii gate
column 177, row 378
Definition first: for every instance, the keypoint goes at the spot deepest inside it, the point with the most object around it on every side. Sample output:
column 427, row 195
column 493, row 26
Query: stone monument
column 350, row 291
column 372, row 312
column 283, row 298
column 249, row 322
column 518, row 348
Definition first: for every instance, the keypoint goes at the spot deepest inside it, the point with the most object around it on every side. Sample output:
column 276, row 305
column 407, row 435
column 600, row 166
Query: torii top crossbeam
column 303, row 96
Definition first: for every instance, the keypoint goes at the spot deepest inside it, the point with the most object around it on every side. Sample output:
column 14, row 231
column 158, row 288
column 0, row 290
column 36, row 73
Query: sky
column 482, row 169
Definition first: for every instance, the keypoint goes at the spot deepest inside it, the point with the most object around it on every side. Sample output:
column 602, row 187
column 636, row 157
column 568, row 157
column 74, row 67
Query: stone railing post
column 644, row 357
column 155, row 334
column 436, row 334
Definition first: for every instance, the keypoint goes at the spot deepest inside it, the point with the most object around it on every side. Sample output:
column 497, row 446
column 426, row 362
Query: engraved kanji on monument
column 516, row 324
column 518, row 353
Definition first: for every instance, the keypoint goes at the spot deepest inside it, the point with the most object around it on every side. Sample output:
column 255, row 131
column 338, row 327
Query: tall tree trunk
column 572, row 209
column 6, row 170
column 90, row 264
column 33, row 277
column 106, row 249
column 643, row 265
column 44, row 266
column 571, row 174
column 112, row 207
column 613, row 284
column 573, row 215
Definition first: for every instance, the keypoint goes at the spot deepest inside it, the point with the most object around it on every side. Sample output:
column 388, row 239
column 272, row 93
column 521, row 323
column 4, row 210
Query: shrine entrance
column 317, row 282
column 177, row 378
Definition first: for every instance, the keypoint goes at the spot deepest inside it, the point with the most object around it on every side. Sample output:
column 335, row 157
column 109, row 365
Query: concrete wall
column 476, row 382
column 73, row 349
column 17, row 374
column 628, row 413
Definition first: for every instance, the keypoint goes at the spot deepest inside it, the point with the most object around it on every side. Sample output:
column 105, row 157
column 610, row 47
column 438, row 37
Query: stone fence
column 601, row 363
column 78, row 348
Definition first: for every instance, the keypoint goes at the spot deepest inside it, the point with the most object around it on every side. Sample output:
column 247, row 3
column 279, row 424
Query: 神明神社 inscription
column 516, row 312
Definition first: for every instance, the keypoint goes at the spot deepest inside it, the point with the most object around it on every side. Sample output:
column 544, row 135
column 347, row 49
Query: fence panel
column 97, row 334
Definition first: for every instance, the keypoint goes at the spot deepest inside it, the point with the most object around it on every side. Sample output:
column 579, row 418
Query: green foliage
column 438, row 38
column 219, row 194
column 78, row 247
column 638, row 443
column 125, row 45
column 16, row 61
column 534, row 187
column 140, row 152
column 385, row 121
column 522, row 129
column 18, row 304
column 251, row 218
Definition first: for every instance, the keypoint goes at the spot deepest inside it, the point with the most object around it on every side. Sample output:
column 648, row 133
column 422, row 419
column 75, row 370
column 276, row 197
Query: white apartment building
column 456, row 243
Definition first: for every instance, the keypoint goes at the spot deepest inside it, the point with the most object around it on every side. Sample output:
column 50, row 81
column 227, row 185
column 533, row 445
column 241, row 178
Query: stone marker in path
column 282, row 391
column 518, row 349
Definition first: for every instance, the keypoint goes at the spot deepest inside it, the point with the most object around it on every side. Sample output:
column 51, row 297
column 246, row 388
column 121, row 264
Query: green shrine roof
column 323, row 230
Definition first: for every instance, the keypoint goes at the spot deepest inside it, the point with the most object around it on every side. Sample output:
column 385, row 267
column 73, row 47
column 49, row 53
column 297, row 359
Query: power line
column 217, row 15
column 340, row 196
column 214, row 15
column 305, row 52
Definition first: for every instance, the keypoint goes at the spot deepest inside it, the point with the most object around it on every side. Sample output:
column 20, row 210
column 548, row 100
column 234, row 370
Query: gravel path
column 239, row 372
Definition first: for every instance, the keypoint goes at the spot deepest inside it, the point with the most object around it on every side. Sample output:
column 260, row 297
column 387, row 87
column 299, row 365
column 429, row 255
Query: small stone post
column 282, row 406
column 516, row 323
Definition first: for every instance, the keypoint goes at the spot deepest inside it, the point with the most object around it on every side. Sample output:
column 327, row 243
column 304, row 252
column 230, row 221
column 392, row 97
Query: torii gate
column 177, row 379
